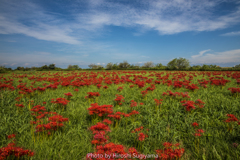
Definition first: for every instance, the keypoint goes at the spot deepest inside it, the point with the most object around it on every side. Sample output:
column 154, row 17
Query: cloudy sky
column 81, row 32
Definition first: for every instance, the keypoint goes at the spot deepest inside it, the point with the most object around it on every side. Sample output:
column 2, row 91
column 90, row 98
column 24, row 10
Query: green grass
column 170, row 124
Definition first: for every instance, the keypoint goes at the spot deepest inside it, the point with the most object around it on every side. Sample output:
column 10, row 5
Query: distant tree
column 180, row 63
column 75, row 67
column 44, row 67
column 109, row 65
column 20, row 68
column 237, row 66
column 137, row 65
column 124, row 64
column 115, row 66
column 99, row 67
column 51, row 66
column 148, row 65
column 92, row 66
column 204, row 67
column 159, row 65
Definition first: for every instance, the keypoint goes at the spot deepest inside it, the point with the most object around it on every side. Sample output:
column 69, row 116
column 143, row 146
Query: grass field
column 151, row 116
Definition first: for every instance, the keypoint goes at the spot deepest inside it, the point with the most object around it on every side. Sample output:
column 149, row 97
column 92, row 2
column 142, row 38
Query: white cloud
column 166, row 17
column 200, row 53
column 231, row 56
column 231, row 34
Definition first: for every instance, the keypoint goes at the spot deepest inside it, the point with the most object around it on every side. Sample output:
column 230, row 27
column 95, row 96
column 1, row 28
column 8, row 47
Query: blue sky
column 81, row 32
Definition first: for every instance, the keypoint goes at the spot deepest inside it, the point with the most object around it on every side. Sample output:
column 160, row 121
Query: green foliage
column 180, row 64
column 124, row 64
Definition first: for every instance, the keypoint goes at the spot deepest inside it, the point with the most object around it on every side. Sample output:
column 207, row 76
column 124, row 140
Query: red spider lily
column 131, row 86
column 141, row 103
column 100, row 127
column 76, row 90
column 192, row 87
column 144, row 93
column 142, row 136
column 105, row 87
column 100, row 110
column 137, row 129
column 11, row 136
column 99, row 86
column 158, row 102
column 11, row 149
column 68, row 94
column 107, row 121
column 195, row 124
column 119, row 99
column 169, row 153
column 231, row 118
column 234, row 90
column 133, row 151
column 199, row 103
column 19, row 105
column 62, row 101
column 120, row 89
column 133, row 103
column 92, row 95
column 134, row 112
column 189, row 105
column 198, row 133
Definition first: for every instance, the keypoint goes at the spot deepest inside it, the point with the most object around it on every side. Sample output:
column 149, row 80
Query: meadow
column 123, row 114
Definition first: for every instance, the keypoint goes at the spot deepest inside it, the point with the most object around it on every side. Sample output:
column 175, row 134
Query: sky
column 83, row 32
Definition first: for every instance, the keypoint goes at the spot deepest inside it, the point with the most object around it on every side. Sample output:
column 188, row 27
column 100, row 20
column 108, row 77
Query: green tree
column 148, row 65
column 92, row 66
column 237, row 66
column 124, row 64
column 180, row 63
column 109, row 65
column 75, row 67
column 115, row 66
column 44, row 67
column 51, row 66
column 159, row 65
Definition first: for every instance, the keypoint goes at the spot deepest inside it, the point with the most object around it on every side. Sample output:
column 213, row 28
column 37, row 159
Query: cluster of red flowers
column 119, row 89
column 99, row 131
column 92, row 95
column 100, row 110
column 198, row 133
column 232, row 118
column 141, row 135
column 192, row 87
column 134, row 104
column 61, row 101
column 12, row 149
column 117, row 115
column 234, row 90
column 53, row 123
column 170, row 93
column 119, row 99
column 68, row 95
column 190, row 104
column 218, row 82
column 19, row 105
column 158, row 102
column 169, row 153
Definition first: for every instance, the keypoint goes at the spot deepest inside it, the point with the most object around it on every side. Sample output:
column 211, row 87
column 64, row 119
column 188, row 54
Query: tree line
column 175, row 64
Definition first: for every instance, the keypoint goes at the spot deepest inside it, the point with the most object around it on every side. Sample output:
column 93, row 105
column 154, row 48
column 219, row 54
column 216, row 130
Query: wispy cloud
column 200, row 53
column 231, row 56
column 231, row 34
column 166, row 17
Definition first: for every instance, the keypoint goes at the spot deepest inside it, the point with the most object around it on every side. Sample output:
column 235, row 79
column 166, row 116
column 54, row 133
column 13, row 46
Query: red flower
column 195, row 124
column 11, row 136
